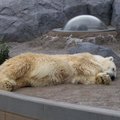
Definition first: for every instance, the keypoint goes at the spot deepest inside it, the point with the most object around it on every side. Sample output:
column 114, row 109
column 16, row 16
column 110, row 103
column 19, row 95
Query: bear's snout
column 112, row 76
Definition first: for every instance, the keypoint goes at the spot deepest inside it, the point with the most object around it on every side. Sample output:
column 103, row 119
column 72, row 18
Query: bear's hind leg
column 7, row 84
column 21, row 83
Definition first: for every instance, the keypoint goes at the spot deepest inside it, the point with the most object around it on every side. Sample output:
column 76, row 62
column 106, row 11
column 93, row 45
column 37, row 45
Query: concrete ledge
column 81, row 34
column 42, row 109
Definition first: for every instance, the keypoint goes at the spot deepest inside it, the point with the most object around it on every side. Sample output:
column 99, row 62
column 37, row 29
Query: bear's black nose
column 112, row 78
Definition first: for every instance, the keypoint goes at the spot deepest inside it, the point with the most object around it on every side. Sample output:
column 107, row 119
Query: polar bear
column 31, row 69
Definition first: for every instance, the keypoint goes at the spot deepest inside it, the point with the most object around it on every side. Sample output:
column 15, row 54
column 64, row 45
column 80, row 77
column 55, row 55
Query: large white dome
column 84, row 23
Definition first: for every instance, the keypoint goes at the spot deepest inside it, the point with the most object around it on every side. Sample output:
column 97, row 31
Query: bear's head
column 109, row 67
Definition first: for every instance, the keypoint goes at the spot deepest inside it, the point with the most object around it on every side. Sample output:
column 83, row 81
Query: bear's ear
column 110, row 58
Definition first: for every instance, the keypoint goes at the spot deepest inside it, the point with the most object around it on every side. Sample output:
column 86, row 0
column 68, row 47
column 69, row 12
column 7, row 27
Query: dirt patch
column 92, row 95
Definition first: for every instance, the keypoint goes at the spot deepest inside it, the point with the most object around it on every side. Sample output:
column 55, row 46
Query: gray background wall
column 22, row 20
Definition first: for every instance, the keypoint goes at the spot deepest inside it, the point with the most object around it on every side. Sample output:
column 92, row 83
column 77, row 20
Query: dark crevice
column 111, row 13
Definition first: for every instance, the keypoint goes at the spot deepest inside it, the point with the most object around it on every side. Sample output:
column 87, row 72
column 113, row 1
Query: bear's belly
column 50, row 74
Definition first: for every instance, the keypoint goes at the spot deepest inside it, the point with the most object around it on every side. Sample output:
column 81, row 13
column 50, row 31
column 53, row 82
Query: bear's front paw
column 103, row 78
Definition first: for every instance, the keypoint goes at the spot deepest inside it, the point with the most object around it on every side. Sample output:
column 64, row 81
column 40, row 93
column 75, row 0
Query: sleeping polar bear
column 32, row 69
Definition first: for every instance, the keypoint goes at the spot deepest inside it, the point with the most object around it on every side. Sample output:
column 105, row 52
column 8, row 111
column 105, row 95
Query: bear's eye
column 113, row 69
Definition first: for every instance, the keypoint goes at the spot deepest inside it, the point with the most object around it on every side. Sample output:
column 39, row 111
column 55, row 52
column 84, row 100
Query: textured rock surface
column 116, row 13
column 95, row 49
column 22, row 20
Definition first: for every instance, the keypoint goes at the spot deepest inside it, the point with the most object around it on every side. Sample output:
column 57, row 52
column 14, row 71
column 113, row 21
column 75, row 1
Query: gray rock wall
column 22, row 20
column 116, row 13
